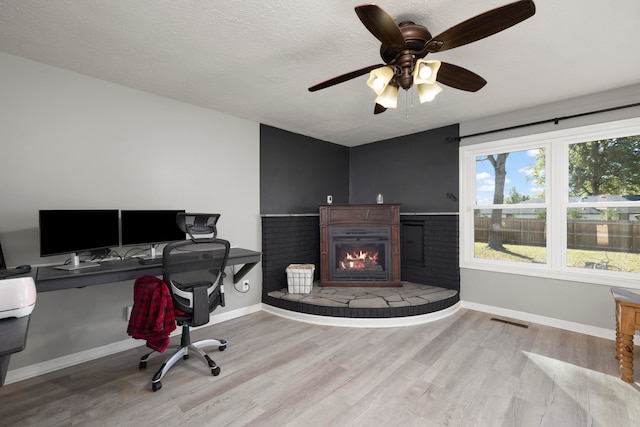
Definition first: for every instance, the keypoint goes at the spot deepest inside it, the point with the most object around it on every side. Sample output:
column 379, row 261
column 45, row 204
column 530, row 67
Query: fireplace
column 359, row 245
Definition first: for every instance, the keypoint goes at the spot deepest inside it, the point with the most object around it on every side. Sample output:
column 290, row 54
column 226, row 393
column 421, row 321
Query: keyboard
column 10, row 272
column 150, row 261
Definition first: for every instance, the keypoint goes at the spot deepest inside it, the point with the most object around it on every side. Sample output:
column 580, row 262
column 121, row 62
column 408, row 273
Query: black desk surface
column 52, row 279
column 13, row 334
column 13, row 338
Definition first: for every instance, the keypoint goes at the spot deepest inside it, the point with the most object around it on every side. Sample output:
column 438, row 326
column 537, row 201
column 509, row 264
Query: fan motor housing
column 416, row 37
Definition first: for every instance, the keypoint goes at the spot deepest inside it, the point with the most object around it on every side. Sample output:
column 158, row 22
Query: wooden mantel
column 358, row 215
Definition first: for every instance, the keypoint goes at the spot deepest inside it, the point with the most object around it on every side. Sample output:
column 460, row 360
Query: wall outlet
column 245, row 286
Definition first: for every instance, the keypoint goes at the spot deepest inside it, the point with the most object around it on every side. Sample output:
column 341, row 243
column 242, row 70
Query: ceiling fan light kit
column 405, row 44
column 424, row 76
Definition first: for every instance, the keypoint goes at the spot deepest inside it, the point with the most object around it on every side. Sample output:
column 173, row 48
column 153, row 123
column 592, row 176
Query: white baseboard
column 542, row 320
column 36, row 369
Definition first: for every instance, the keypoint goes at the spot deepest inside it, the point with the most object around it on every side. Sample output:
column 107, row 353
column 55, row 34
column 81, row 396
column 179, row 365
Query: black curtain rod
column 555, row 121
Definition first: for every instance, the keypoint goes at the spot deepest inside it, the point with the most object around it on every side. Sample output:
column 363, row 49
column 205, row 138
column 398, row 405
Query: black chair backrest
column 193, row 270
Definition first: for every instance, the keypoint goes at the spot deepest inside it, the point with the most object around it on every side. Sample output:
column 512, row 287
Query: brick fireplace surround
column 428, row 251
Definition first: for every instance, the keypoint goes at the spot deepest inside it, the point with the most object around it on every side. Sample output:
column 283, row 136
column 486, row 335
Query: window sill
column 583, row 275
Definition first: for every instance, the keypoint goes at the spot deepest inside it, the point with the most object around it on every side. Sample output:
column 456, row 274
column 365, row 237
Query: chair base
column 182, row 352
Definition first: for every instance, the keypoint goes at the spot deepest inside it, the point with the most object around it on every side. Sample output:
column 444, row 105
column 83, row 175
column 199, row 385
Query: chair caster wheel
column 185, row 357
column 142, row 365
column 222, row 347
column 156, row 386
column 215, row 371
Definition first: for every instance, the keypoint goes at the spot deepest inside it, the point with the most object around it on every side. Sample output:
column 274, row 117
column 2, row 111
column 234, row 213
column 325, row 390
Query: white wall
column 583, row 304
column 70, row 142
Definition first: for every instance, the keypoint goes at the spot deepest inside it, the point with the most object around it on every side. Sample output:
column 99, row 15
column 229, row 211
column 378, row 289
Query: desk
column 51, row 279
column 627, row 322
column 13, row 338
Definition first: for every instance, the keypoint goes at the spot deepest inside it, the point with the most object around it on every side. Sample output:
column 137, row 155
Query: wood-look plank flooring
column 465, row 370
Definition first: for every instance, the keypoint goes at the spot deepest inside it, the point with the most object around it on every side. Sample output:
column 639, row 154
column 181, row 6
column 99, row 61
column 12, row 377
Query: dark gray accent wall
column 298, row 172
column 415, row 170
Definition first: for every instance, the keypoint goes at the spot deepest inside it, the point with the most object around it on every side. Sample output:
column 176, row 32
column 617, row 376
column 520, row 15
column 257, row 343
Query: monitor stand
column 75, row 264
column 153, row 255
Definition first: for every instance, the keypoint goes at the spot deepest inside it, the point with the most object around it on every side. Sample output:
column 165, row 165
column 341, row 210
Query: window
column 564, row 204
column 510, row 207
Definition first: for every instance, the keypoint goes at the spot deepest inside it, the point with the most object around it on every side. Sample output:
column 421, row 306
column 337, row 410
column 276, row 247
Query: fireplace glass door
column 359, row 254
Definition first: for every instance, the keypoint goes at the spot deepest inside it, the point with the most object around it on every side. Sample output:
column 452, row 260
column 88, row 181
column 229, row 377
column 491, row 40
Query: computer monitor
column 76, row 231
column 150, row 227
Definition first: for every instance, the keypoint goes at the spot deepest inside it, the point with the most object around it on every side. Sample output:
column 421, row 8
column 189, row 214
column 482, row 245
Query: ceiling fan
column 404, row 46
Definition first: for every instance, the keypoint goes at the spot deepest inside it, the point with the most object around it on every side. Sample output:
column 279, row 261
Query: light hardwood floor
column 466, row 370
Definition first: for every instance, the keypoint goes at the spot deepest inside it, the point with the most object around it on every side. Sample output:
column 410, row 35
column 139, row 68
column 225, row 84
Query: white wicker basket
column 300, row 278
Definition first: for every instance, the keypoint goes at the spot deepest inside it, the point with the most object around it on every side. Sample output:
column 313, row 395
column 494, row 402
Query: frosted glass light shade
column 427, row 92
column 379, row 79
column 389, row 97
column 425, row 72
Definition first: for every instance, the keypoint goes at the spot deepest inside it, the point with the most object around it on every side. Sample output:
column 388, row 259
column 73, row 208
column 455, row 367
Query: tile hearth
column 364, row 302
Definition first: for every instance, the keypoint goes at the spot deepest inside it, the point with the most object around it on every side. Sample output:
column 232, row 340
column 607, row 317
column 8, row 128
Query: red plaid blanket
column 152, row 317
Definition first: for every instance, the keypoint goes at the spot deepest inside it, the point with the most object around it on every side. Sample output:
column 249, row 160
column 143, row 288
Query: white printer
column 17, row 297
column 17, row 301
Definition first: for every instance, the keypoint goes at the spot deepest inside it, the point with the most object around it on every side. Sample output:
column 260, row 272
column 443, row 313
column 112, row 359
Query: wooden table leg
column 627, row 330
column 627, row 303
column 618, row 339
column 626, row 358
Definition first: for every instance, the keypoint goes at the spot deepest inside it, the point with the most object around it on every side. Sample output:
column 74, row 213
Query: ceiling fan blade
column 344, row 77
column 381, row 25
column 482, row 25
column 379, row 109
column 459, row 78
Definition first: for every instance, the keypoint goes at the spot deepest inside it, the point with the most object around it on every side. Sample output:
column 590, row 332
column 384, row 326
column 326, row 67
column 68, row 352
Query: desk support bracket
column 243, row 271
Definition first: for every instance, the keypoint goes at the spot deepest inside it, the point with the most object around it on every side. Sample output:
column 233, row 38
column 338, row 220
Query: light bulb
column 425, row 72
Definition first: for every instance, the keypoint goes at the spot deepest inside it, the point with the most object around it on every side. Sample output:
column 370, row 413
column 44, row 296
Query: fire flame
column 359, row 260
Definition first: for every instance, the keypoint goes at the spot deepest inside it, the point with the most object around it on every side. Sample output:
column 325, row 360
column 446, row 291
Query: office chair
column 194, row 271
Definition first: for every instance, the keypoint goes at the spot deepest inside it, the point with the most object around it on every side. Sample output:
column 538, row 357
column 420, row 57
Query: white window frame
column 556, row 145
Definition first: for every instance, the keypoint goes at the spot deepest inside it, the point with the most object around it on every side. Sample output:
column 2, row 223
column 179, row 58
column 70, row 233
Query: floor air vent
column 508, row 322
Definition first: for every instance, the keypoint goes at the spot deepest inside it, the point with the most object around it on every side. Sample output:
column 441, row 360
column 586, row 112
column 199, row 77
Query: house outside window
column 563, row 204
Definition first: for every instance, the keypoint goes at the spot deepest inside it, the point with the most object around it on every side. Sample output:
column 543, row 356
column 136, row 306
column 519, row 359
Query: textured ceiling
column 255, row 59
